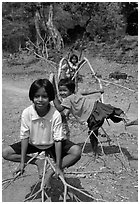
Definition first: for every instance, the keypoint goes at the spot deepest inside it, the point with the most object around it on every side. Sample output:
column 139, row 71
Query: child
column 86, row 110
column 69, row 69
column 41, row 130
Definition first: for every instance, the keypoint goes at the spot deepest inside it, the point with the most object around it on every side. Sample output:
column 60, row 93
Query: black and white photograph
column 69, row 101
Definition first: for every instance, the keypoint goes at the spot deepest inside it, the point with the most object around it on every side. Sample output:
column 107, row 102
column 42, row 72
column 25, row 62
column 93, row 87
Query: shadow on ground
column 108, row 150
column 56, row 193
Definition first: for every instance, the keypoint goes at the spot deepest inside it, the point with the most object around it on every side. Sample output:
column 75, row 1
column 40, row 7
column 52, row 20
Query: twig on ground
column 92, row 132
column 33, row 195
column 65, row 193
column 118, row 85
column 49, row 199
column 34, row 188
column 77, row 199
column 128, row 108
column 88, row 172
column 70, row 186
column 41, row 188
column 121, row 152
column 120, row 161
column 11, row 180
column 100, row 143
column 104, row 162
column 6, row 180
column 43, row 179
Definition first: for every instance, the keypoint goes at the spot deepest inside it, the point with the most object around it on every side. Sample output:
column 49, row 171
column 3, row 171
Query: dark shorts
column 66, row 145
column 101, row 112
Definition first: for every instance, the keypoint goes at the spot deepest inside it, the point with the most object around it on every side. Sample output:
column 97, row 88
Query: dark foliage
column 100, row 21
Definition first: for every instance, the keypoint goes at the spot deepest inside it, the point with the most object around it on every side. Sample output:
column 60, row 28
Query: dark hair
column 39, row 83
column 68, row 83
column 75, row 57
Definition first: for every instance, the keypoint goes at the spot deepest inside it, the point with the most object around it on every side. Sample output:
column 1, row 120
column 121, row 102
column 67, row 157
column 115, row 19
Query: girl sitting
column 41, row 130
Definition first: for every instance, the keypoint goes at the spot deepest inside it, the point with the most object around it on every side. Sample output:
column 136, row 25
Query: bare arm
column 24, row 146
column 57, row 104
column 92, row 92
column 58, row 150
column 56, row 101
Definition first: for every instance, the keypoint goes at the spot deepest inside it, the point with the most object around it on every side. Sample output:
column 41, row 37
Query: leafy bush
column 100, row 21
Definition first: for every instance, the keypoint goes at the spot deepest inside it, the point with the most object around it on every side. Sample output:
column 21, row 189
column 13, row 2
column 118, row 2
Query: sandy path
column 8, row 86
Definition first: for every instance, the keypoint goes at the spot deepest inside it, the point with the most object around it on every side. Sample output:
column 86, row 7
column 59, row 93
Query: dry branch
column 54, row 33
column 70, row 186
column 92, row 132
column 85, row 142
column 118, row 85
column 99, row 81
column 128, row 108
column 84, row 172
column 43, row 58
column 100, row 144
column 42, row 188
column 11, row 180
column 121, row 152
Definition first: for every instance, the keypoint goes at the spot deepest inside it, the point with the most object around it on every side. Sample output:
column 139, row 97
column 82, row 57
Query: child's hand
column 59, row 172
column 20, row 169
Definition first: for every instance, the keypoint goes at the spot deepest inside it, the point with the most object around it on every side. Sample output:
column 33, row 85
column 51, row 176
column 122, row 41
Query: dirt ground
column 113, row 177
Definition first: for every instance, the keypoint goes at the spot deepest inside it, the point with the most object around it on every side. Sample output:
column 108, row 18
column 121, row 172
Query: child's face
column 74, row 60
column 41, row 101
column 64, row 91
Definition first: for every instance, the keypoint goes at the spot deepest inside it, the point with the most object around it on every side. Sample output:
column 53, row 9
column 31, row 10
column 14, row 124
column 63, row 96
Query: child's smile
column 41, row 102
column 64, row 91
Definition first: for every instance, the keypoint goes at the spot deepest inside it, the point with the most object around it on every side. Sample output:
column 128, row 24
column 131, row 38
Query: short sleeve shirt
column 41, row 131
column 80, row 106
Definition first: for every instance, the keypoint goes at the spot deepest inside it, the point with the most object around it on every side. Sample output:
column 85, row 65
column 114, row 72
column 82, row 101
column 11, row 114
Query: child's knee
column 6, row 153
column 76, row 150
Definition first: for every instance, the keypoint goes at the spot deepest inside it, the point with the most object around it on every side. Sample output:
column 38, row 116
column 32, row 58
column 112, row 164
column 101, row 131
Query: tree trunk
column 51, row 32
column 54, row 33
